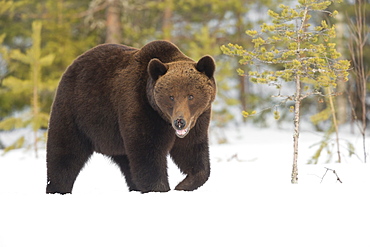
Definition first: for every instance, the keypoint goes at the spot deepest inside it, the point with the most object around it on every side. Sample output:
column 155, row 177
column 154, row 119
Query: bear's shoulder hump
column 163, row 50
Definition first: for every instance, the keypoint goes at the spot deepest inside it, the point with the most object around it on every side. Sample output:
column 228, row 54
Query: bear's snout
column 179, row 123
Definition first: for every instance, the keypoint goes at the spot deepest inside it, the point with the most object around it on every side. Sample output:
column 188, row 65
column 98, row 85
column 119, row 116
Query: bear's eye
column 190, row 97
column 172, row 98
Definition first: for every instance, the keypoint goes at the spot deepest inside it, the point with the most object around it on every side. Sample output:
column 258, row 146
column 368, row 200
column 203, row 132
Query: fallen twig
column 235, row 156
column 328, row 169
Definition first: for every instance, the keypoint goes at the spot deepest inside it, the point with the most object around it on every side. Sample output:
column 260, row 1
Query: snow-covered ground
column 248, row 200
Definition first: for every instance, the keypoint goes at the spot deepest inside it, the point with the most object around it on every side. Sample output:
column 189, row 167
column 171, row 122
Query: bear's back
column 98, row 63
column 103, row 62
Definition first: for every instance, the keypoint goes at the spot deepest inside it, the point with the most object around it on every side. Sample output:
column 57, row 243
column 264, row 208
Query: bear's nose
column 179, row 123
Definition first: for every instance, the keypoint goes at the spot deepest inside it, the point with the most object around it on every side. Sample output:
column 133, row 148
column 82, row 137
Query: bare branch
column 328, row 169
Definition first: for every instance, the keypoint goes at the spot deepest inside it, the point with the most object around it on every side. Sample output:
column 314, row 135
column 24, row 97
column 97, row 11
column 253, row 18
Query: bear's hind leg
column 63, row 171
column 67, row 153
column 123, row 163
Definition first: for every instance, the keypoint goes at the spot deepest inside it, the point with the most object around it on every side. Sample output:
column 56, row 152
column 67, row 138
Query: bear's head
column 181, row 91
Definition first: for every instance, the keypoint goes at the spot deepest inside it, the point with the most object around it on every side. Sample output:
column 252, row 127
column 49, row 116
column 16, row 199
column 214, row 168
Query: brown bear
column 135, row 106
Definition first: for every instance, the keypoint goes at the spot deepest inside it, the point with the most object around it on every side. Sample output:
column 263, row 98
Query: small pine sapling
column 35, row 118
column 294, row 50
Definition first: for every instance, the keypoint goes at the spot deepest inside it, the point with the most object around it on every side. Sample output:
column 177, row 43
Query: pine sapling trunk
column 363, row 102
column 35, row 104
column 298, row 100
column 297, row 107
column 35, row 113
column 335, row 123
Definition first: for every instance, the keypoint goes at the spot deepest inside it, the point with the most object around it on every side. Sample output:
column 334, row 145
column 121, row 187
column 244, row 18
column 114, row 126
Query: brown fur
column 115, row 100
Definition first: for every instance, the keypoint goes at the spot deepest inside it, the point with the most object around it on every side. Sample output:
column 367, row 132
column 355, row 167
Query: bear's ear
column 207, row 65
column 156, row 68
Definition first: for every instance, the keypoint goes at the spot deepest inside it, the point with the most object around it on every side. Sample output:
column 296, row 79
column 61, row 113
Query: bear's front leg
column 191, row 155
column 192, row 182
column 147, row 155
column 149, row 172
column 147, row 139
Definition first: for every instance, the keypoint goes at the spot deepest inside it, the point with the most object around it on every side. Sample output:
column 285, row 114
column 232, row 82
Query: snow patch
column 248, row 201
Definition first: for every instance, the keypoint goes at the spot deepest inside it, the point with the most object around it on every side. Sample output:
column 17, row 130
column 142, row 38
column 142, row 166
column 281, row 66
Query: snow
column 248, row 200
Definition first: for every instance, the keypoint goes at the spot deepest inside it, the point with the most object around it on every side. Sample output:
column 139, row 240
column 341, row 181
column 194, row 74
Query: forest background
column 39, row 39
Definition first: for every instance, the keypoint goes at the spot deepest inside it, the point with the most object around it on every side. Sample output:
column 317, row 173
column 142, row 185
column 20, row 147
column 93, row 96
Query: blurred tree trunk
column 167, row 16
column 113, row 14
column 341, row 87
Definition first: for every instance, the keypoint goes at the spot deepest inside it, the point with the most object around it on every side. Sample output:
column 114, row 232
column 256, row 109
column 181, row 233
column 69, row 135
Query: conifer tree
column 294, row 50
column 30, row 88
